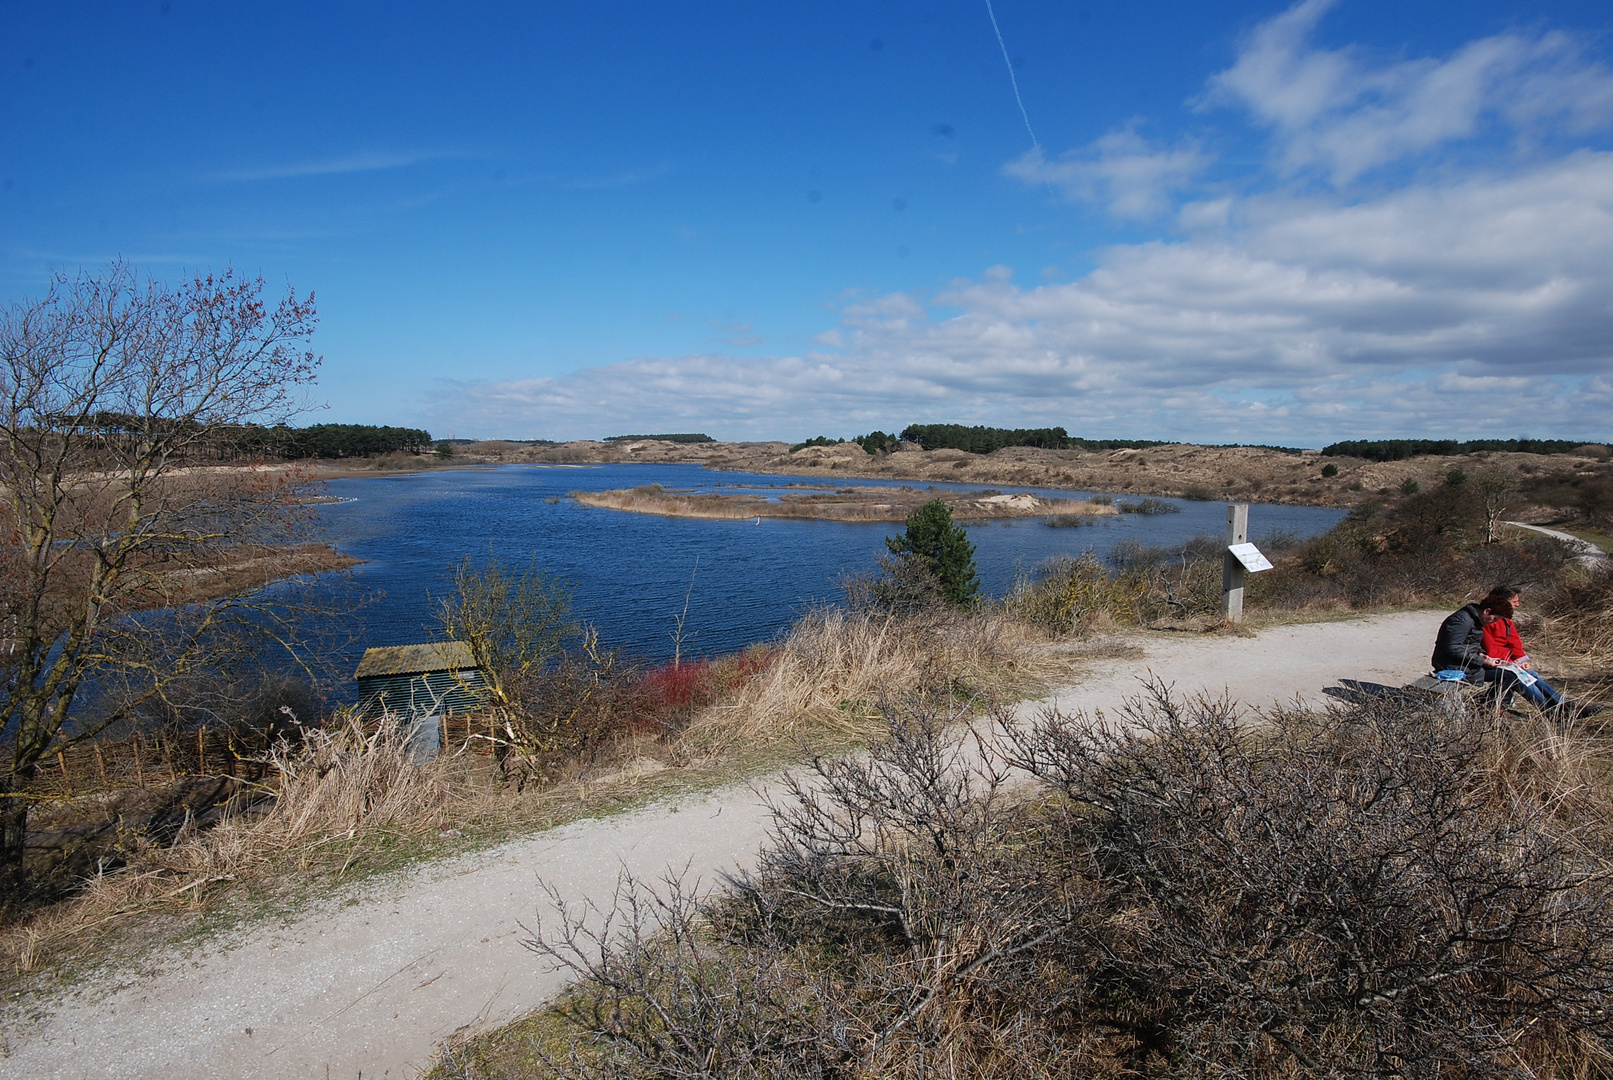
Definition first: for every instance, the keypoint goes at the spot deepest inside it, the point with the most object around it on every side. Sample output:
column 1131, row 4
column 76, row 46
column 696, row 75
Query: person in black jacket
column 1460, row 645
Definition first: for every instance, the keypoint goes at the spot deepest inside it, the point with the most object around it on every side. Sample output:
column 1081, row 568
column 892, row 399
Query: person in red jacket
column 1503, row 646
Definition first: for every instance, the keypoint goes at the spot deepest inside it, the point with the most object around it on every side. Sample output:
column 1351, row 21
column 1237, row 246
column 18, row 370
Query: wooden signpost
column 1240, row 559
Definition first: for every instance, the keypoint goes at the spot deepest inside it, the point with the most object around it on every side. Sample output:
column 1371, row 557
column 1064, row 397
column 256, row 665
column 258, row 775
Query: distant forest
column 326, row 441
column 987, row 439
column 983, row 440
column 228, row 442
column 680, row 437
column 1401, row 449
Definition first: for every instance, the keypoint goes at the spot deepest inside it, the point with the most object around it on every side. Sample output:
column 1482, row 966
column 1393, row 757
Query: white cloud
column 1478, row 306
column 1336, row 111
column 1122, row 171
column 1467, row 300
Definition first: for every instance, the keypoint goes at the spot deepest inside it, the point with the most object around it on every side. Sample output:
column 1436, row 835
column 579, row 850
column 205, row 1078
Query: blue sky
column 1238, row 222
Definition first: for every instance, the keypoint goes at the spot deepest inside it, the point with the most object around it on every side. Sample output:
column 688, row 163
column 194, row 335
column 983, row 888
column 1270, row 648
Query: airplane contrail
column 1035, row 142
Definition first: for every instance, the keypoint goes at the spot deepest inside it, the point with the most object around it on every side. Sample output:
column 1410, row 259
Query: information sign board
column 1250, row 557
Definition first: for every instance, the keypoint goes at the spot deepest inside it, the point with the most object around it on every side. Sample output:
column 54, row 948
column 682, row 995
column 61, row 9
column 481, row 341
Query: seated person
column 1465, row 643
column 1460, row 644
column 1502, row 644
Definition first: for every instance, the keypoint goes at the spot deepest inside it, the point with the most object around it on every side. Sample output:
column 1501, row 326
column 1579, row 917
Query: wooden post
column 67, row 781
column 168, row 757
column 201, row 750
column 1232, row 572
column 100, row 763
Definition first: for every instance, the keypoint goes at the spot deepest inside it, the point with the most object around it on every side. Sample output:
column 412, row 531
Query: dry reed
column 347, row 790
column 837, row 667
column 340, row 787
column 1577, row 628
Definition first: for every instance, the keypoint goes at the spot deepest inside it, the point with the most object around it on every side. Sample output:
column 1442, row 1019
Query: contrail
column 1035, row 142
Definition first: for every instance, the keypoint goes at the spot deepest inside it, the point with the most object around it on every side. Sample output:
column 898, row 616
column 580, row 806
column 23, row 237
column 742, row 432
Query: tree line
column 979, row 439
column 983, row 440
column 113, row 431
column 1401, row 449
column 331, row 441
column 675, row 437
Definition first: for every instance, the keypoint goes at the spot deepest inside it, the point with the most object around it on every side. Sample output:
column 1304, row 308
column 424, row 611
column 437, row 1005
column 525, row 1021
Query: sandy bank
column 843, row 504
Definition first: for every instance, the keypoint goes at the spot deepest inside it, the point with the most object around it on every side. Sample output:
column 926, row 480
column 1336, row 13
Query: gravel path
column 369, row 982
column 1589, row 554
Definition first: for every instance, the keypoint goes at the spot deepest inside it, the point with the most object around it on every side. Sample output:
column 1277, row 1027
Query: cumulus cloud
column 1478, row 305
column 1122, row 171
column 1336, row 111
column 1465, row 300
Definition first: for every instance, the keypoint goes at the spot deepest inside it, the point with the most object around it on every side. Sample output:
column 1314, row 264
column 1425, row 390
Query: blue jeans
column 1540, row 695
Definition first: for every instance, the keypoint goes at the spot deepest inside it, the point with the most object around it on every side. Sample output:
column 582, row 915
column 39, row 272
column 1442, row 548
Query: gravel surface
column 369, row 982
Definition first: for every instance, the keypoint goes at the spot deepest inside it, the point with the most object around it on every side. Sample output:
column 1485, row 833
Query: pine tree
column 943, row 547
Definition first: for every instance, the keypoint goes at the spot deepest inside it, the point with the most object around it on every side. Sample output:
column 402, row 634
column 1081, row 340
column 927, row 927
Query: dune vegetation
column 842, row 504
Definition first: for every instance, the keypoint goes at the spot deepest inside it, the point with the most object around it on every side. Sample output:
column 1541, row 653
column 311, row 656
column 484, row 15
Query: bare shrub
column 1429, row 548
column 1391, row 890
column 1070, row 593
column 904, row 587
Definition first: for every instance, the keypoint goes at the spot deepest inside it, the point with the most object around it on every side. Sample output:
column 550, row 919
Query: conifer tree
column 943, row 547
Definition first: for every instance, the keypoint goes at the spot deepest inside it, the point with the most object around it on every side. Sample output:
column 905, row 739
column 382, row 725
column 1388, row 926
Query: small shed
column 420, row 681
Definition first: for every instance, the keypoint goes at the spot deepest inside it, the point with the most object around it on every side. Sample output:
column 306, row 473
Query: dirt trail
column 369, row 982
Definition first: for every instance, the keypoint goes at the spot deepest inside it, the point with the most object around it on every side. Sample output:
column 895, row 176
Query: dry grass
column 846, row 504
column 339, row 785
column 351, row 802
column 1576, row 630
column 837, row 667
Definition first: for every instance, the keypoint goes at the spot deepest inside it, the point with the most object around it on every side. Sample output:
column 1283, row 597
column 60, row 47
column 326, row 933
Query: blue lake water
column 631, row 571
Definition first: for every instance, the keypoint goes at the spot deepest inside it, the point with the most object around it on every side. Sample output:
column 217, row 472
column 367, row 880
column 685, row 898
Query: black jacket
column 1461, row 641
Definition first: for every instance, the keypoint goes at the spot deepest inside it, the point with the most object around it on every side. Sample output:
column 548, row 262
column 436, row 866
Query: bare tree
column 1496, row 486
column 517, row 626
column 514, row 623
column 112, row 390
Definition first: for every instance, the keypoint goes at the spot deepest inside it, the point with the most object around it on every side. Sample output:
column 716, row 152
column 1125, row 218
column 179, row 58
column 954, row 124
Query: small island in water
column 836, row 504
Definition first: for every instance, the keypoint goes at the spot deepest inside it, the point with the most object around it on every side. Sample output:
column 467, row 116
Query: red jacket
column 1501, row 641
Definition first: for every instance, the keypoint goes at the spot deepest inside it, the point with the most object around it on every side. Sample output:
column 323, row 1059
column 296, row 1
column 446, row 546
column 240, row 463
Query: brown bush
column 1427, row 548
column 1387, row 891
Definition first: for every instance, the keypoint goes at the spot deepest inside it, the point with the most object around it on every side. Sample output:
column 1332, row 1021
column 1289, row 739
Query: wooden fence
column 146, row 760
column 469, row 732
column 161, row 758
